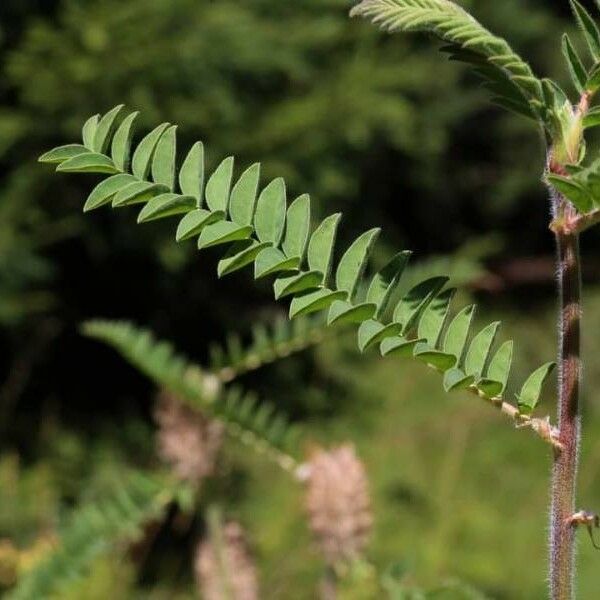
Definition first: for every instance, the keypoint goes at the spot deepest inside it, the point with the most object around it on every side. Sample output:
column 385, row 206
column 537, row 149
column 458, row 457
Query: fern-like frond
column 268, row 344
column 259, row 228
column 255, row 424
column 505, row 74
column 93, row 530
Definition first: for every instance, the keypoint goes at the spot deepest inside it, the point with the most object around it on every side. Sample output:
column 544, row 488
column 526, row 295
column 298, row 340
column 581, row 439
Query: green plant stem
column 564, row 474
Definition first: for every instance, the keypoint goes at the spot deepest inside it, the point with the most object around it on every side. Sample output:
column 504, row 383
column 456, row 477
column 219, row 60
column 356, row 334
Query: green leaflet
column 385, row 282
column 243, row 196
column 271, row 260
column 297, row 228
column 219, row 185
column 166, row 205
column 293, row 284
column 593, row 82
column 239, row 255
column 573, row 191
column 410, row 307
column 191, row 175
column 479, row 350
column 104, row 192
column 89, row 131
column 314, row 301
column 590, row 31
column 577, row 71
column 121, row 143
column 529, row 396
column 91, row 162
column 142, row 157
column 458, row 331
column 320, row 246
column 345, row 312
column 222, row 232
column 455, row 379
column 490, row 388
column 62, row 153
column 269, row 219
column 372, row 332
column 592, row 118
column 105, row 128
column 398, row 346
column 496, row 378
column 195, row 221
column 354, row 261
column 163, row 160
column 440, row 360
column 137, row 192
column 434, row 317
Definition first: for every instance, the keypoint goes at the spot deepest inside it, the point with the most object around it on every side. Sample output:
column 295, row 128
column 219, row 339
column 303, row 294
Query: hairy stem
column 564, row 474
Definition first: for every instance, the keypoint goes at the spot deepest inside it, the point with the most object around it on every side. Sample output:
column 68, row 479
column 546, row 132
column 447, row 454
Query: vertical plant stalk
column 564, row 473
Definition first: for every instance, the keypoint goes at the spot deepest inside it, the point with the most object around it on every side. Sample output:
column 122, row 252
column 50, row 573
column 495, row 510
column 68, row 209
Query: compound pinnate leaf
column 467, row 40
column 255, row 234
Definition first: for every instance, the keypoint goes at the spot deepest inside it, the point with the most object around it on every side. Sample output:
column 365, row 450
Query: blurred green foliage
column 360, row 120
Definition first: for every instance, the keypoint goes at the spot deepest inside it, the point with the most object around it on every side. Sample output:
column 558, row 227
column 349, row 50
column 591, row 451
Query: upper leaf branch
column 259, row 227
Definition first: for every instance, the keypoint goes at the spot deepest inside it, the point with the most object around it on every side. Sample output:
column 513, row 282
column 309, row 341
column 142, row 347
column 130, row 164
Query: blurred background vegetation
column 380, row 127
